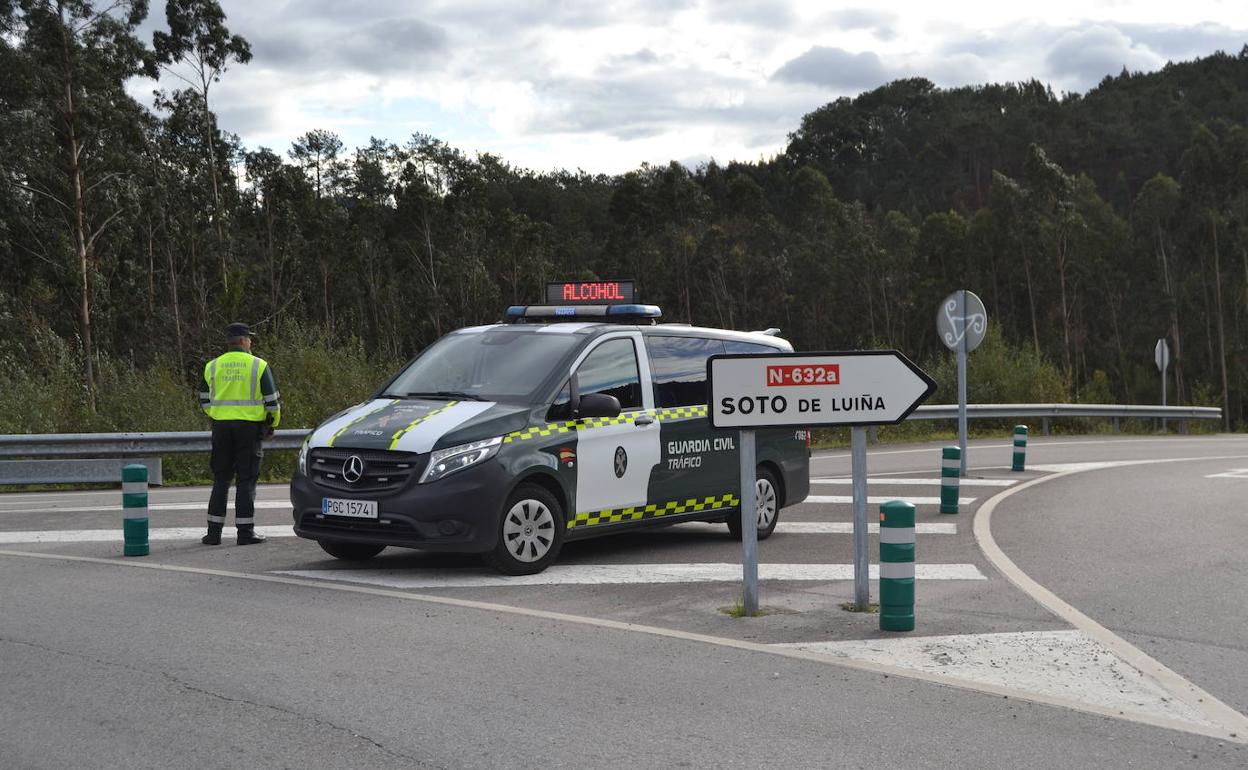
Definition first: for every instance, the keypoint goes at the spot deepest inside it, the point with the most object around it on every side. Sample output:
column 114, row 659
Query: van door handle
column 643, row 420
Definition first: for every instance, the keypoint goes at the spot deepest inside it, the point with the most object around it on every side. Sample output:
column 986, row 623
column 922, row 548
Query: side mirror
column 598, row 405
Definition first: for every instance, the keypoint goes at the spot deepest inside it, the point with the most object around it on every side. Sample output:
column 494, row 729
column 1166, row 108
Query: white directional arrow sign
column 868, row 387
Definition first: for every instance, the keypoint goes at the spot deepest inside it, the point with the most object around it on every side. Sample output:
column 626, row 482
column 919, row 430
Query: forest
column 1091, row 225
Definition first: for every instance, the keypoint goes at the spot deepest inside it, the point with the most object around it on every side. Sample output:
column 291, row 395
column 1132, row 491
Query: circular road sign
column 953, row 321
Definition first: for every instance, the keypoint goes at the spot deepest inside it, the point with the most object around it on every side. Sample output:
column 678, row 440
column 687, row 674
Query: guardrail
column 126, row 444
column 1046, row 412
column 182, row 442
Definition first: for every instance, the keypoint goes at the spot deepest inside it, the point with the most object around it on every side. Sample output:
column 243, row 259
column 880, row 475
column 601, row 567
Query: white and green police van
column 577, row 418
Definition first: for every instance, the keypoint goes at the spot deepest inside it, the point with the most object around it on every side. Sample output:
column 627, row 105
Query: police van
column 576, row 418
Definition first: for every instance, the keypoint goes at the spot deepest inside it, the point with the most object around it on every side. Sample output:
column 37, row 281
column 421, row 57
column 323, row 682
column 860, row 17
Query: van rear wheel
column 766, row 500
column 530, row 532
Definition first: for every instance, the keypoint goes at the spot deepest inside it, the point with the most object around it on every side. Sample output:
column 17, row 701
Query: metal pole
column 1163, row 390
column 962, row 383
column 858, row 451
column 749, row 525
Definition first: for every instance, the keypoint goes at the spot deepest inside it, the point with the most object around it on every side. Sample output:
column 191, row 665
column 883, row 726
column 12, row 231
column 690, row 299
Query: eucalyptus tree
column 197, row 50
column 71, row 132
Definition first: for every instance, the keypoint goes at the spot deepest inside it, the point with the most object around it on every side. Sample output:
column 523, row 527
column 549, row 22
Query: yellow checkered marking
column 653, row 511
column 679, row 413
column 572, row 426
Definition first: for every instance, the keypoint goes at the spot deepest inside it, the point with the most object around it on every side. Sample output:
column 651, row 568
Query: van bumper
column 459, row 513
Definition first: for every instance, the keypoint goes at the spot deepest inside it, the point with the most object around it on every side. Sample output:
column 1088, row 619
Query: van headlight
column 303, row 457
column 447, row 461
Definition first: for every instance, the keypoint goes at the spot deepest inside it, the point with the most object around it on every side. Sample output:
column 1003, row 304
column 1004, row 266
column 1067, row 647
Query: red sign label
column 807, row 374
column 583, row 292
column 600, row 292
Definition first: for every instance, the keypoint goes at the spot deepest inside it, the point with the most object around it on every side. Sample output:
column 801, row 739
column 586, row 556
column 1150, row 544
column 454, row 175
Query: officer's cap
column 234, row 331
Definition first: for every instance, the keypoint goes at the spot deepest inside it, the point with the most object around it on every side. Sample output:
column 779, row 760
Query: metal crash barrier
column 67, row 458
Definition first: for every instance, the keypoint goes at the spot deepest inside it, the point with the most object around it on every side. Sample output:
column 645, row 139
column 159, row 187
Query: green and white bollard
column 134, row 509
column 1020, row 447
column 896, row 566
column 950, row 467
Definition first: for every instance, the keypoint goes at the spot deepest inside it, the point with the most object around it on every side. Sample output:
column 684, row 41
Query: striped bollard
column 1020, row 447
column 896, row 566
column 950, row 467
column 134, row 509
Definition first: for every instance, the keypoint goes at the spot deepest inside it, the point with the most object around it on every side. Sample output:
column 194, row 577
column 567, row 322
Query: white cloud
column 606, row 86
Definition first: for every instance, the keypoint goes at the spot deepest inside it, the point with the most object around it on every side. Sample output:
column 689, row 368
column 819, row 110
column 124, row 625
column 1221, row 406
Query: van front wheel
column 530, row 532
column 767, row 501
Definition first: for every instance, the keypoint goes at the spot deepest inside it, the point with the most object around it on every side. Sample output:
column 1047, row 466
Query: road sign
column 962, row 323
column 1161, row 355
column 866, row 387
column 962, row 315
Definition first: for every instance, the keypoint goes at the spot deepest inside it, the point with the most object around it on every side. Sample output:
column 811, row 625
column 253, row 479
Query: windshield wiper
column 448, row 395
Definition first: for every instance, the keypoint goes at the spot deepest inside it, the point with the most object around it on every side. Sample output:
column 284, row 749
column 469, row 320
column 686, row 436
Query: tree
column 71, row 162
column 198, row 49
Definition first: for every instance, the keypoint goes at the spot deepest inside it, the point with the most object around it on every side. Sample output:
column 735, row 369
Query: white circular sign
column 962, row 314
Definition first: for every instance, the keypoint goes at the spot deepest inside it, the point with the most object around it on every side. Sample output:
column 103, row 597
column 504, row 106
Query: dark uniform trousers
column 236, row 456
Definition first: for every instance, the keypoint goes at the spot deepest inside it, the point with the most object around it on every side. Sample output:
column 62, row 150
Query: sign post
column 1161, row 355
column 802, row 390
column 962, row 322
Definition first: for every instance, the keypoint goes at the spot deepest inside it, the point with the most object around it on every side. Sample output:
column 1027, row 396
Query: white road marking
column 619, row 574
column 635, row 628
column 1228, row 722
column 285, row 530
column 1062, row 664
column 107, row 535
column 259, row 504
column 884, row 480
column 828, row 528
column 880, row 499
column 1237, row 473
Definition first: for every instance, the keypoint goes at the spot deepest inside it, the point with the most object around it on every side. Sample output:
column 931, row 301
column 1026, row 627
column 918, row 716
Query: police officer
column 240, row 395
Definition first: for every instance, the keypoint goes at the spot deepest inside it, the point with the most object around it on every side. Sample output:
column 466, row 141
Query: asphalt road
column 219, row 657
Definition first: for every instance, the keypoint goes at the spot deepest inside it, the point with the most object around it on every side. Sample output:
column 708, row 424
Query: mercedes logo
column 353, row 469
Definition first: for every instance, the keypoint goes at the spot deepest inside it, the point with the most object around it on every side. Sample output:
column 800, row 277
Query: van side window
column 678, row 366
column 612, row 369
column 733, row 346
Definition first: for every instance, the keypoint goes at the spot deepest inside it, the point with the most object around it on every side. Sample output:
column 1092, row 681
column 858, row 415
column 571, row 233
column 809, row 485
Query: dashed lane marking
column 881, row 499
column 830, row 528
column 259, row 504
column 935, row 482
column 108, row 535
column 619, row 574
column 285, row 530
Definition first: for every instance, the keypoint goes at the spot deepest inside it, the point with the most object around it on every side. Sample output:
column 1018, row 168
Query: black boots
column 249, row 537
column 245, row 537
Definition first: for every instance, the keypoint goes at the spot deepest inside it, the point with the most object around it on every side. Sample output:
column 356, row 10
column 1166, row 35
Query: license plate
column 358, row 509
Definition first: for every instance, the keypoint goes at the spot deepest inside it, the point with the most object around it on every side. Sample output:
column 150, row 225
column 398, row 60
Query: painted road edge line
column 1218, row 713
column 687, row 636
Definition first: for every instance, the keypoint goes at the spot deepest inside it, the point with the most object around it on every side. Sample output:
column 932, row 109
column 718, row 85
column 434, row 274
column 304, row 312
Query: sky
column 607, row 85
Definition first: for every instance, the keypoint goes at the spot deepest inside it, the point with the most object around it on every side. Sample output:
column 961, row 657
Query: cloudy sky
column 605, row 85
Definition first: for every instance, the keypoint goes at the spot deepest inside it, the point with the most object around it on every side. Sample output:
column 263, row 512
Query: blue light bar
column 641, row 311
column 522, row 313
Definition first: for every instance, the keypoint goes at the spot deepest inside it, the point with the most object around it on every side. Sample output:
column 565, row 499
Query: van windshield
column 491, row 365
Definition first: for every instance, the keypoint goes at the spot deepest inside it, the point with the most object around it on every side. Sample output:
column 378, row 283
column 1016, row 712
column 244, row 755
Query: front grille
column 384, row 471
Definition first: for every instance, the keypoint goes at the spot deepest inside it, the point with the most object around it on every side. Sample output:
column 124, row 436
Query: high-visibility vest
column 234, row 387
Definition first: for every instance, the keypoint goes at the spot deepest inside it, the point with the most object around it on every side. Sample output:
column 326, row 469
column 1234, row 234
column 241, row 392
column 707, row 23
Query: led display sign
column 590, row 293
